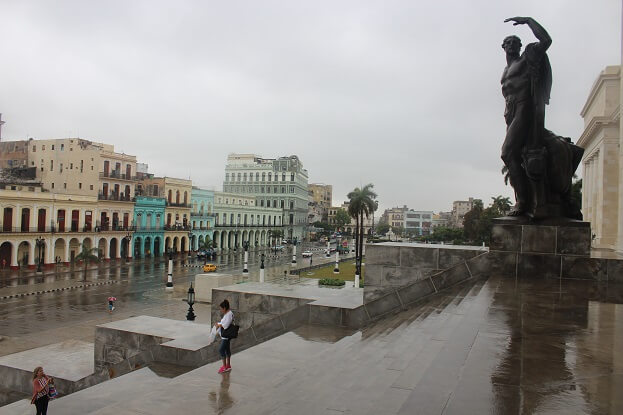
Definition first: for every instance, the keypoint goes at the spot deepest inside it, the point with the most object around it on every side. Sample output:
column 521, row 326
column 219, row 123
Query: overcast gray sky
column 402, row 94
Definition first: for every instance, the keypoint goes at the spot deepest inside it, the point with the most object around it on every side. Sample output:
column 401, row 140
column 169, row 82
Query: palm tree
column 205, row 245
column 502, row 204
column 361, row 203
column 87, row 255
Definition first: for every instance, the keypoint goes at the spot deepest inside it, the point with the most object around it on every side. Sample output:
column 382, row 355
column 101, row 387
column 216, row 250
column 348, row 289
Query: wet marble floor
column 499, row 346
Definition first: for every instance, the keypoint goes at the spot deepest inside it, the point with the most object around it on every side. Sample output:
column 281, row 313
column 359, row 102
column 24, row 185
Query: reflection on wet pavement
column 498, row 346
column 38, row 320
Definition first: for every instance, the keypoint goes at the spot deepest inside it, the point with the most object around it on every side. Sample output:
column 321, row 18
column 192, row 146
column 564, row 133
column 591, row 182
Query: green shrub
column 334, row 282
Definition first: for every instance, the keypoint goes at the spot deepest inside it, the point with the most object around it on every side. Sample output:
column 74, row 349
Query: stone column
column 14, row 247
column 17, row 215
column 49, row 251
column 118, row 250
column 31, row 253
column 66, row 245
column 141, row 248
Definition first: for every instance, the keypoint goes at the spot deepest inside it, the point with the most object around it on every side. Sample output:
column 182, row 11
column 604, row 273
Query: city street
column 36, row 320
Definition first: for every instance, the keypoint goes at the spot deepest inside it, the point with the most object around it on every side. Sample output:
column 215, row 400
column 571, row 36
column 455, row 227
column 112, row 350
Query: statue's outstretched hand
column 517, row 20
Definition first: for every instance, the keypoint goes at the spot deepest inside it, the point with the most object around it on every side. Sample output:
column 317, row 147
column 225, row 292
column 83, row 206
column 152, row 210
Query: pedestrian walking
column 227, row 330
column 111, row 304
column 42, row 387
column 3, row 263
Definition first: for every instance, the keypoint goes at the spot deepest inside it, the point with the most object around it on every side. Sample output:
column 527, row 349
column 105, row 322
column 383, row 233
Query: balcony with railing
column 71, row 228
column 117, row 197
column 176, row 204
column 242, row 225
column 177, row 227
column 116, row 174
column 114, row 228
column 202, row 214
column 144, row 228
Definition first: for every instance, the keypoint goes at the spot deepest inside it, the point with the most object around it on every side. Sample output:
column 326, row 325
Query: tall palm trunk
column 361, row 233
column 357, row 260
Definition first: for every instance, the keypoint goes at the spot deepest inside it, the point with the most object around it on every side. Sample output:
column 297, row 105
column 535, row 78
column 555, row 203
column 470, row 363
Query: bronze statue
column 540, row 164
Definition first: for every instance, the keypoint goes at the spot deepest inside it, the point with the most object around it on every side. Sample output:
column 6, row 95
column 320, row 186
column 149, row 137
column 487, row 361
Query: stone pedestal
column 562, row 237
column 204, row 283
column 555, row 249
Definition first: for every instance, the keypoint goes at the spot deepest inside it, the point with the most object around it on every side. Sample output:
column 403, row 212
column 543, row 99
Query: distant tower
column 1, row 122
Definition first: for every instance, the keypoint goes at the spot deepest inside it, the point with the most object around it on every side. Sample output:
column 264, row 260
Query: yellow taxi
column 209, row 268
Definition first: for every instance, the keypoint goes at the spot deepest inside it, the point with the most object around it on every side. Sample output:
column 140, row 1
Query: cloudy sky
column 402, row 94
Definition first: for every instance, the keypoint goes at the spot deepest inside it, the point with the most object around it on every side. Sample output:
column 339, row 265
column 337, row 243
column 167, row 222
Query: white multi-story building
column 274, row 183
column 418, row 222
column 238, row 219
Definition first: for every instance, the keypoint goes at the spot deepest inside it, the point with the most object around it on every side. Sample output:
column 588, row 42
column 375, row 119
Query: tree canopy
column 341, row 218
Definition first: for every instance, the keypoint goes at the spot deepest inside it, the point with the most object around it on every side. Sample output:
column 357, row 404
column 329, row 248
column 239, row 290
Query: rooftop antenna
column 1, row 122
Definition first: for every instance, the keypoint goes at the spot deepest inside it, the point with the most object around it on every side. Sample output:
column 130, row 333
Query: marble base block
column 557, row 238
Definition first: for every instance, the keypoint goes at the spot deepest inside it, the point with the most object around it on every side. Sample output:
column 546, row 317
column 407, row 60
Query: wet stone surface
column 500, row 346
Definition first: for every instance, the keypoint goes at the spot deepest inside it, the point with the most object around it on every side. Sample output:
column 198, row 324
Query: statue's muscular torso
column 516, row 80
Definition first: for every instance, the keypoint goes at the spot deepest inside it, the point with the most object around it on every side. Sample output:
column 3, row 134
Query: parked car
column 209, row 268
column 307, row 254
column 279, row 248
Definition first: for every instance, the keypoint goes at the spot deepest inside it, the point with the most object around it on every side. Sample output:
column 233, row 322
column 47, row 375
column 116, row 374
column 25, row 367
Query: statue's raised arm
column 539, row 32
column 540, row 164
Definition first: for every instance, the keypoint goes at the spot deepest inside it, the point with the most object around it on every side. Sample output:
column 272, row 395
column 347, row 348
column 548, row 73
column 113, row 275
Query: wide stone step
column 113, row 391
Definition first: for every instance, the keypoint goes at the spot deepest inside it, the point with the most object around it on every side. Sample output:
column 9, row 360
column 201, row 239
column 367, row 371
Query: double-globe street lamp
column 40, row 242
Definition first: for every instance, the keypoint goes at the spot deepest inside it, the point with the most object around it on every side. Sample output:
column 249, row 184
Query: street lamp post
column 169, row 286
column 336, row 270
column 328, row 254
column 262, row 268
column 245, row 245
column 128, row 238
column 40, row 242
column 294, row 251
column 191, row 300
column 190, row 236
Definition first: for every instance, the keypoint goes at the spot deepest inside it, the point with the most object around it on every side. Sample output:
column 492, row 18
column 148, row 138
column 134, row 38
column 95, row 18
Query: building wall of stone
column 67, row 166
column 602, row 170
column 67, row 222
column 13, row 154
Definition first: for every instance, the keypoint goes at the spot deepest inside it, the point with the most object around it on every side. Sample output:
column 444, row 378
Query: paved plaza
column 498, row 346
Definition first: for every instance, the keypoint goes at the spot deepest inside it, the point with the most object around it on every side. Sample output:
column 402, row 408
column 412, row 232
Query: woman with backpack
column 226, row 329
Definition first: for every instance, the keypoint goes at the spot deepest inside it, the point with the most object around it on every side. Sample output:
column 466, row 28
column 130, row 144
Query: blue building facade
column 201, row 216
column 149, row 225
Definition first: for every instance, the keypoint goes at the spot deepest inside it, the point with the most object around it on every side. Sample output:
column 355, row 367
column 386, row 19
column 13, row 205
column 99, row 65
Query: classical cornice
column 598, row 123
column 599, row 82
